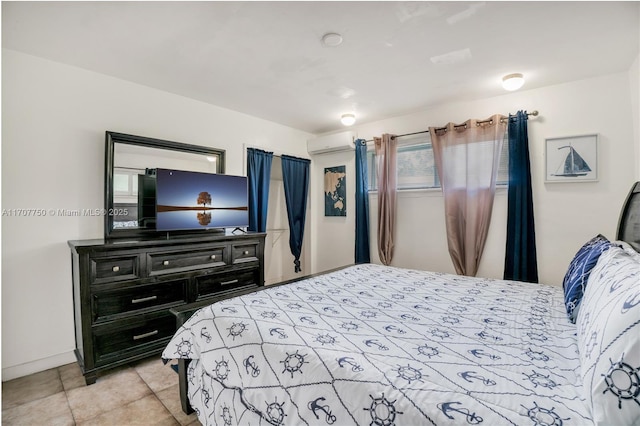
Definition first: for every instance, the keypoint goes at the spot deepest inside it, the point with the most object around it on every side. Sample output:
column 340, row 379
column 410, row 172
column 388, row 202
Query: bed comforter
column 376, row 345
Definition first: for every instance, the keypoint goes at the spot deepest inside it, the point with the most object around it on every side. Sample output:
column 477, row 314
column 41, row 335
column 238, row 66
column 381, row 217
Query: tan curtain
column 386, row 148
column 467, row 157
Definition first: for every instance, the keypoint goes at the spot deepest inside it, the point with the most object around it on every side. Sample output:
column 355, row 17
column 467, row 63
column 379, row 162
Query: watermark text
column 57, row 212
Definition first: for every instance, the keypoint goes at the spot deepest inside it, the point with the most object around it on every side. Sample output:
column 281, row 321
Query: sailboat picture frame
column 572, row 159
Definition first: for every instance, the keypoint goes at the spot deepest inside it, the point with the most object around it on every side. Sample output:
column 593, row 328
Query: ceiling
column 266, row 59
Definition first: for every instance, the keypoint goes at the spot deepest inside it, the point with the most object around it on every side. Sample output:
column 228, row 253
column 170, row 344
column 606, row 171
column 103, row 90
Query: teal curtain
column 362, row 204
column 521, row 262
column 258, row 178
column 295, row 174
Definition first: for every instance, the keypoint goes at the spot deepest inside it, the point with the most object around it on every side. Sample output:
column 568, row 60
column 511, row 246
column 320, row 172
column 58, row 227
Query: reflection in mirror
column 130, row 186
column 134, row 176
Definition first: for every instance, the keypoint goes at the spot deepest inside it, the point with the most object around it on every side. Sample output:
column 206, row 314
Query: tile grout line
column 66, row 396
column 113, row 409
column 156, row 396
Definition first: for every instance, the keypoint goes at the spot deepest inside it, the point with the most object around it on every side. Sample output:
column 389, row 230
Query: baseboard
column 21, row 370
column 272, row 280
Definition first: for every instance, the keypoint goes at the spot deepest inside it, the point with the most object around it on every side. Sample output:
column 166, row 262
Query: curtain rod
column 534, row 113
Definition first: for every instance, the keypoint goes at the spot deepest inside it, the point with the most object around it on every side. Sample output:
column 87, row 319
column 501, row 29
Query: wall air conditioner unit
column 331, row 143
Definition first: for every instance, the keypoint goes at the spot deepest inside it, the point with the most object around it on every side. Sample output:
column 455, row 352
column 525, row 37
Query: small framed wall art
column 572, row 159
column 335, row 191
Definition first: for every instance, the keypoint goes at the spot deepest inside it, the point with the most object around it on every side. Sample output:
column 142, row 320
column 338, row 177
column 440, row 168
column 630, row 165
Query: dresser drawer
column 210, row 285
column 128, row 300
column 245, row 253
column 185, row 260
column 132, row 338
column 113, row 268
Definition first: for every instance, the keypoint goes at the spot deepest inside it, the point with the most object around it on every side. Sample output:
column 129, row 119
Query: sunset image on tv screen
column 193, row 200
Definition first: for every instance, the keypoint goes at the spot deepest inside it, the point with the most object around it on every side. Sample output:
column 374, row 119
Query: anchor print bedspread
column 376, row 345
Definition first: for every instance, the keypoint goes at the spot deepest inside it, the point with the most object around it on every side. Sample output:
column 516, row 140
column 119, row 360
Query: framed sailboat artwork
column 572, row 159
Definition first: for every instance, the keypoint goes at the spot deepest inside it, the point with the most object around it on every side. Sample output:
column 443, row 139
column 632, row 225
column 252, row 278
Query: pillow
column 627, row 248
column 577, row 275
column 608, row 326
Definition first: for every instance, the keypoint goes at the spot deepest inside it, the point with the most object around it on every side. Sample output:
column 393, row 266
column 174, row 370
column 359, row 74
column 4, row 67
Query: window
column 416, row 166
column 125, row 181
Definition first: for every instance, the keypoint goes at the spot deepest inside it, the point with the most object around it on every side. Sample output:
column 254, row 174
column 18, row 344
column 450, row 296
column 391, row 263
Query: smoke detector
column 331, row 40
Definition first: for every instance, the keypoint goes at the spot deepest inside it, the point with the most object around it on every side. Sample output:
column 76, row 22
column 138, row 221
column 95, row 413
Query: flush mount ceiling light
column 512, row 82
column 348, row 119
column 331, row 40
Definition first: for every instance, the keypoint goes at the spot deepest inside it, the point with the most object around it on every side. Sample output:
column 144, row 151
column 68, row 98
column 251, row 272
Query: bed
column 377, row 345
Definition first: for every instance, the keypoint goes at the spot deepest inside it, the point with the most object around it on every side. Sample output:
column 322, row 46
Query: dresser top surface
column 115, row 244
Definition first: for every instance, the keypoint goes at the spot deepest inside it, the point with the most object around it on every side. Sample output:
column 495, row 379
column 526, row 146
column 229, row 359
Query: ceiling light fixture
column 512, row 82
column 348, row 119
column 331, row 40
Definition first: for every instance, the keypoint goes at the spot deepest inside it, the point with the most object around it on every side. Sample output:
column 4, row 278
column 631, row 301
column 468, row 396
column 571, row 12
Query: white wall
column 53, row 122
column 566, row 214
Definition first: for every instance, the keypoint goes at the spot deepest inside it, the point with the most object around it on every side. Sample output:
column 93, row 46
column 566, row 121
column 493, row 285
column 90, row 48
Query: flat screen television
column 192, row 200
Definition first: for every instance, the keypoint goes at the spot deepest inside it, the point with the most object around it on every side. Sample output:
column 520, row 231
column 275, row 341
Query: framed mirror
column 130, row 164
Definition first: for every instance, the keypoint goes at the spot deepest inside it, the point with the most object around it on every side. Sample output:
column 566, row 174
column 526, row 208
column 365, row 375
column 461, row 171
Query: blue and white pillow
column 608, row 326
column 577, row 276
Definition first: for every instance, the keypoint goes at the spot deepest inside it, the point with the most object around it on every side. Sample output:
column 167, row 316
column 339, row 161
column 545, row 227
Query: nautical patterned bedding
column 376, row 345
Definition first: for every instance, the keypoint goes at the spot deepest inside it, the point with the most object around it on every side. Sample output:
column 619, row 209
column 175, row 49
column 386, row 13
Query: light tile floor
column 144, row 393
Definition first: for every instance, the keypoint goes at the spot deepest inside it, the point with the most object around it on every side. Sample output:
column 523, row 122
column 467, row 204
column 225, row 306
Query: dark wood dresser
column 123, row 290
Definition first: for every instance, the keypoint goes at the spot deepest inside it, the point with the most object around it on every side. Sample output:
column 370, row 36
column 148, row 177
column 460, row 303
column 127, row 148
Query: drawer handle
column 142, row 336
column 228, row 282
column 213, row 257
column 165, row 263
column 115, row 269
column 246, row 252
column 144, row 299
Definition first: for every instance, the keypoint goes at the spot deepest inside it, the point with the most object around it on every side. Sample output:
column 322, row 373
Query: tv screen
column 193, row 200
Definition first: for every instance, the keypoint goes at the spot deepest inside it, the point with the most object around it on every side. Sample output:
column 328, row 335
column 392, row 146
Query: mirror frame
column 112, row 138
